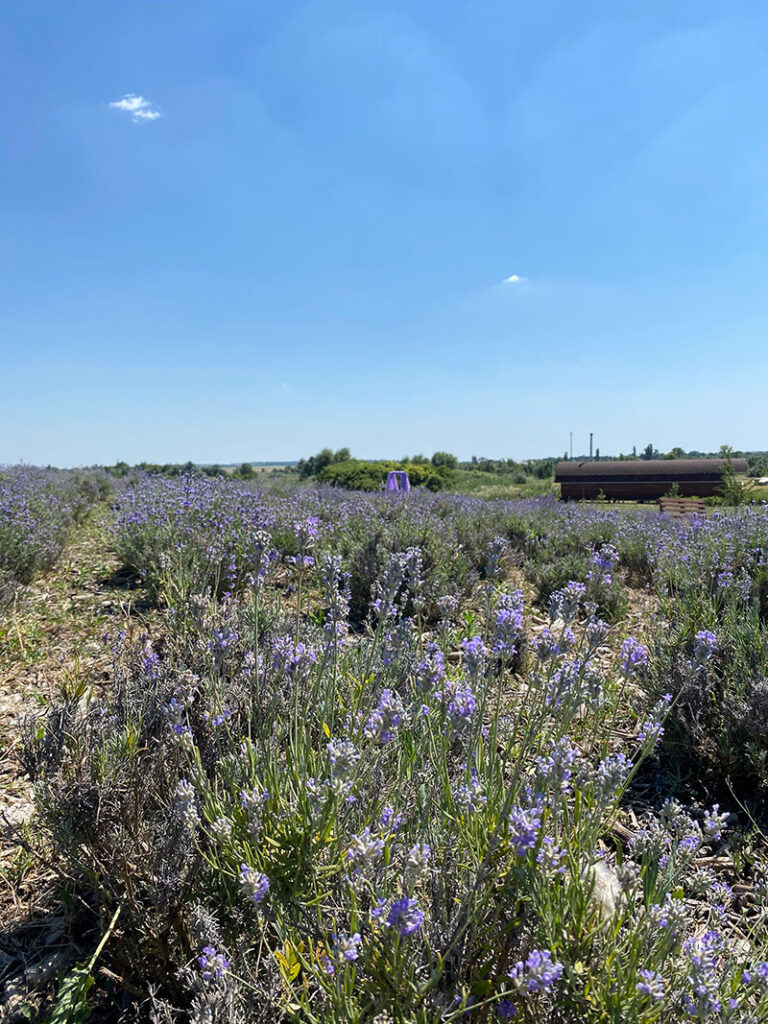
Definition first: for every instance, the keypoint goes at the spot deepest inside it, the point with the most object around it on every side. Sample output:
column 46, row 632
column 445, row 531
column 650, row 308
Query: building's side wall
column 635, row 490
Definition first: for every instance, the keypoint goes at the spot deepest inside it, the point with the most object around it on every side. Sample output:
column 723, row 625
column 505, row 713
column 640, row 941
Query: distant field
column 259, row 467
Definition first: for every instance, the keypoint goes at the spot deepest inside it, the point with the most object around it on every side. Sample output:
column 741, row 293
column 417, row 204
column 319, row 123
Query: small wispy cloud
column 514, row 279
column 139, row 108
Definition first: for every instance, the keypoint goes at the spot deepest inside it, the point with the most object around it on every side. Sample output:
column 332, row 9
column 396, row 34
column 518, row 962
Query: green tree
column 315, row 464
column 440, row 459
column 731, row 490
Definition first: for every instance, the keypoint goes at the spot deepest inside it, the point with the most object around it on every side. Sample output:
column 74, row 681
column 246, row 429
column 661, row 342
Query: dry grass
column 50, row 645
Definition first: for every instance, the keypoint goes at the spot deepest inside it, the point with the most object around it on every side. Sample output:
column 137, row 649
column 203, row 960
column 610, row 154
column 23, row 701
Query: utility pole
column 571, row 433
column 590, row 445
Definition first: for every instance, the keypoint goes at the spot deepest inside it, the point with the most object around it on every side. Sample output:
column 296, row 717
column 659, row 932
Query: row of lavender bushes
column 38, row 508
column 403, row 811
column 189, row 536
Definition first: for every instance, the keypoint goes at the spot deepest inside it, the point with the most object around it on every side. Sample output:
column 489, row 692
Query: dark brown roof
column 643, row 469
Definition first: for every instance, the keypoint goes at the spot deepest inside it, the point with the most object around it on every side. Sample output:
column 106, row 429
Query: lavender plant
column 301, row 822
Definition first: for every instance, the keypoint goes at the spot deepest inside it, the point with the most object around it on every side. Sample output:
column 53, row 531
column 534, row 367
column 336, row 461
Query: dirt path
column 50, row 644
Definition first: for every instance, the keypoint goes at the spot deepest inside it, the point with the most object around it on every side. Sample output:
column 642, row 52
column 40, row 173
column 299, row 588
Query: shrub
column 710, row 578
column 354, row 475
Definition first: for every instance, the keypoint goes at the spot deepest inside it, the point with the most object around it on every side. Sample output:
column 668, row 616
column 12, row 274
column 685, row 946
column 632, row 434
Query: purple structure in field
column 397, row 480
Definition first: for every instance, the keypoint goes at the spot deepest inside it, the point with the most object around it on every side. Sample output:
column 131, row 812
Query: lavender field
column 38, row 508
column 411, row 758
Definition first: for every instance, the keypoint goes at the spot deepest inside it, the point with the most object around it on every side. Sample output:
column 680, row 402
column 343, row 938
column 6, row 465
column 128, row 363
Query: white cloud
column 139, row 108
column 514, row 279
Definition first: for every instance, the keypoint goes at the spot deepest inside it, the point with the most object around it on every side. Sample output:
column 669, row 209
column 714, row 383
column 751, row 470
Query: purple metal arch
column 397, row 480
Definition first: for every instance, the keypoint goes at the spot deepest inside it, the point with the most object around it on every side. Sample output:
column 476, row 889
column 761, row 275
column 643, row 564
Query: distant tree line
column 244, row 471
column 514, row 472
column 439, row 472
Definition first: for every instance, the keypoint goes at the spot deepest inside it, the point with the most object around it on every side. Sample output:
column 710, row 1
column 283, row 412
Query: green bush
column 354, row 475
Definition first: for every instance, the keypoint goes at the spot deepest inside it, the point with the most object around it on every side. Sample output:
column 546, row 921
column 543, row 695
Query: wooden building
column 637, row 479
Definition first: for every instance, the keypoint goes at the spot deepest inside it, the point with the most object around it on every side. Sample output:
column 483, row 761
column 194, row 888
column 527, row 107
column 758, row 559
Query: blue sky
column 309, row 245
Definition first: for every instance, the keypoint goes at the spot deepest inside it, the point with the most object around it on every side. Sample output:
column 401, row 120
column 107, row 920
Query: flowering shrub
column 709, row 645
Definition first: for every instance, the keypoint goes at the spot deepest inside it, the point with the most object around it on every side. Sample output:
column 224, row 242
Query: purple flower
column 714, row 822
column 385, row 717
column 302, row 561
column 327, row 964
column 337, row 597
column 554, row 772
column 759, row 975
column 651, row 984
column 306, row 532
column 346, row 946
column 650, row 733
column 343, row 757
column 597, row 633
column 551, row 857
column 222, row 640
column 496, row 550
column 546, row 645
column 471, row 795
column 611, row 776
column 462, row 705
column 669, row 916
column 212, row 964
column 606, row 559
column 702, row 962
column 388, row 586
column 652, row 730
column 474, row 657
column 418, row 859
column 508, row 623
column 389, row 820
column 363, row 852
column 253, row 884
column 253, row 802
column 634, row 656
column 430, row 671
column 564, row 604
column 704, row 646
column 538, row 973
column 405, row 917
column 524, row 824
column 290, row 657
column 566, row 684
